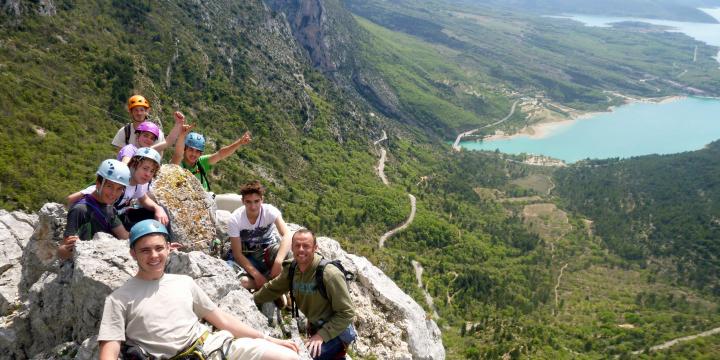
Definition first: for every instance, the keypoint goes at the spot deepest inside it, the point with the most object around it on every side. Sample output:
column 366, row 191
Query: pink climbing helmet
column 148, row 126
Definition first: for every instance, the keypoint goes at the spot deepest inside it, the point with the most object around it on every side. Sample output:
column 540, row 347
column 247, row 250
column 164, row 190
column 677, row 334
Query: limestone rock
column 211, row 274
column 189, row 209
column 15, row 231
column 39, row 255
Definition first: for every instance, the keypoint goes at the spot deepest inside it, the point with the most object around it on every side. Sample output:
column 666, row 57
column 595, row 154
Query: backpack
column 319, row 283
column 203, row 175
column 127, row 133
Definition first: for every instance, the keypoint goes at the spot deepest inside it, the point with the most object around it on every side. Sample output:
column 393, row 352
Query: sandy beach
column 548, row 126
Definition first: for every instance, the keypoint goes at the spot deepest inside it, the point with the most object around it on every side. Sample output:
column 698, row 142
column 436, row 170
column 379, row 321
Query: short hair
column 305, row 231
column 136, row 161
column 253, row 187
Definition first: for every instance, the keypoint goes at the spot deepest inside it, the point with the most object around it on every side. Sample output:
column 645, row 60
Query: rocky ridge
column 52, row 309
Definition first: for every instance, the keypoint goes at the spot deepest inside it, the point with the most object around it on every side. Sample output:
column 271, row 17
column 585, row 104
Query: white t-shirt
column 119, row 139
column 131, row 193
column 259, row 233
column 161, row 316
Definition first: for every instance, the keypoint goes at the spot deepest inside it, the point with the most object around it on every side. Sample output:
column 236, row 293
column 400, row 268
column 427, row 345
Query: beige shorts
column 240, row 348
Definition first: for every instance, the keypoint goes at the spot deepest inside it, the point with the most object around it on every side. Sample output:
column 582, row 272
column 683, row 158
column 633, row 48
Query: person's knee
column 247, row 282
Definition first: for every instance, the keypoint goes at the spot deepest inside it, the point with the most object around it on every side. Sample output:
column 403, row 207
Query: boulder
column 190, row 209
column 15, row 231
column 39, row 252
column 211, row 274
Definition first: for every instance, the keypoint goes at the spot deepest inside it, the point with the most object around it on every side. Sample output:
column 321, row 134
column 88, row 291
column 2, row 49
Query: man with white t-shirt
column 254, row 246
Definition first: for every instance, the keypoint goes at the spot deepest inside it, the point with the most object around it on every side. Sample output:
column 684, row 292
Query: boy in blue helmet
column 189, row 150
column 136, row 203
column 94, row 212
column 158, row 315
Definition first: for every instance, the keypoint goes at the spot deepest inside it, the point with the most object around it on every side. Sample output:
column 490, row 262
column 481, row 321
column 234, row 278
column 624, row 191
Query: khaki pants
column 240, row 349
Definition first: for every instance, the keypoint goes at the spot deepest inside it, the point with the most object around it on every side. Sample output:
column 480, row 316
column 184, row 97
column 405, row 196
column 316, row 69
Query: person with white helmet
column 156, row 315
column 189, row 150
column 94, row 212
column 136, row 204
column 139, row 109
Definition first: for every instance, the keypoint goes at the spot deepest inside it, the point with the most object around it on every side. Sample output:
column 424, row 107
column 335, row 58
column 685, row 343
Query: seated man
column 94, row 212
column 330, row 313
column 253, row 245
column 158, row 314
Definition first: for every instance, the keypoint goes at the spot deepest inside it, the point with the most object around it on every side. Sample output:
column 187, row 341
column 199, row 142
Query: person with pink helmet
column 139, row 109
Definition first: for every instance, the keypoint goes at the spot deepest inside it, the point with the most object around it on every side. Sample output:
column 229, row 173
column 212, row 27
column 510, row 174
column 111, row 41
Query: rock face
column 390, row 324
column 189, row 208
column 61, row 307
column 15, row 231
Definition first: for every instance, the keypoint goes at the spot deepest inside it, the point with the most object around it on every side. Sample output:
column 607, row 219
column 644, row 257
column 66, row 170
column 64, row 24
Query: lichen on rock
column 190, row 208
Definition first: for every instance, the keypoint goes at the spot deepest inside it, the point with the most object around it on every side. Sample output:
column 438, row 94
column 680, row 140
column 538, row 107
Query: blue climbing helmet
column 195, row 141
column 146, row 227
column 149, row 153
column 115, row 171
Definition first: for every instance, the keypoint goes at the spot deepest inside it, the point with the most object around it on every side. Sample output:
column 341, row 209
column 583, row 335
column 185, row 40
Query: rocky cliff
column 52, row 309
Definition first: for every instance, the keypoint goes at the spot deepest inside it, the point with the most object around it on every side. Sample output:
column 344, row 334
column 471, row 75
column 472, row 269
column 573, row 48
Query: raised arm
column 226, row 151
column 176, row 130
column 180, row 145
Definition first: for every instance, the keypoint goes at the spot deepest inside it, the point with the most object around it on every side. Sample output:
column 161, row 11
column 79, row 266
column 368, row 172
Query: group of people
column 155, row 315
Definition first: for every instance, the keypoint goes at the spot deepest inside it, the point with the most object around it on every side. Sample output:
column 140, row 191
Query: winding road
column 381, row 167
column 404, row 225
column 456, row 144
column 677, row 341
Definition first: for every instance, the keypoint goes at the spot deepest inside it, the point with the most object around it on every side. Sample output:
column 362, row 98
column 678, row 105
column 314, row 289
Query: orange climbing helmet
column 138, row 100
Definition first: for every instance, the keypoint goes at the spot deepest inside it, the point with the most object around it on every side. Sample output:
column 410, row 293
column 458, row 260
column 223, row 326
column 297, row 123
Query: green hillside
column 512, row 271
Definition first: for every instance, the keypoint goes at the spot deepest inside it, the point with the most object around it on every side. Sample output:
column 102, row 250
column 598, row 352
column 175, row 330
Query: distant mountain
column 662, row 9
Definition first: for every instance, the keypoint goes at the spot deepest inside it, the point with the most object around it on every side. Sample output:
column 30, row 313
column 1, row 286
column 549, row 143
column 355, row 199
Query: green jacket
column 336, row 312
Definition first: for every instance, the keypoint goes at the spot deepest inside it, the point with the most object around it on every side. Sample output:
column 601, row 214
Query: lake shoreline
column 547, row 127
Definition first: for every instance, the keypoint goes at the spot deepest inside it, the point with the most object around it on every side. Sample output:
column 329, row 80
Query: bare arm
column 180, row 145
column 176, row 130
column 225, row 321
column 284, row 246
column 226, row 151
column 73, row 198
column 109, row 350
column 120, row 232
column 148, row 203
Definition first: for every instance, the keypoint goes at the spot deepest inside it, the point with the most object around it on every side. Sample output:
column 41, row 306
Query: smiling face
column 253, row 203
column 144, row 171
column 138, row 114
column 146, row 139
column 108, row 192
column 303, row 249
column 150, row 252
column 191, row 155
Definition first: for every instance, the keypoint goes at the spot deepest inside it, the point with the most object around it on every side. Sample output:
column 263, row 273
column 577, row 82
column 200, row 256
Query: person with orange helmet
column 139, row 109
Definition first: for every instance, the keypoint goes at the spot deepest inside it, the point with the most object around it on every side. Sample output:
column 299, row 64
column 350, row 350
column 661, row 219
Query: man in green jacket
column 329, row 318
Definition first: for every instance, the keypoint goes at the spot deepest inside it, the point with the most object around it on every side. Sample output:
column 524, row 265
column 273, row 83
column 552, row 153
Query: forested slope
column 659, row 210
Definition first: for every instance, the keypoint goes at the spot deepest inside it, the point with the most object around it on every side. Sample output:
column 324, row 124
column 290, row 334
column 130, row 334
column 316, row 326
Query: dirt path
column 428, row 299
column 381, row 167
column 557, row 285
column 403, row 226
column 677, row 341
column 456, row 144
column 384, row 137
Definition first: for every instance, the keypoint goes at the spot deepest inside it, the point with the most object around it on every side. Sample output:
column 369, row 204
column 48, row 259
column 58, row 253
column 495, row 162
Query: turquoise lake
column 630, row 130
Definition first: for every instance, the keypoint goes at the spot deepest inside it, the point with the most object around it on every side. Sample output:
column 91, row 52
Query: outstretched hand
column 246, row 138
column 314, row 345
column 179, row 118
